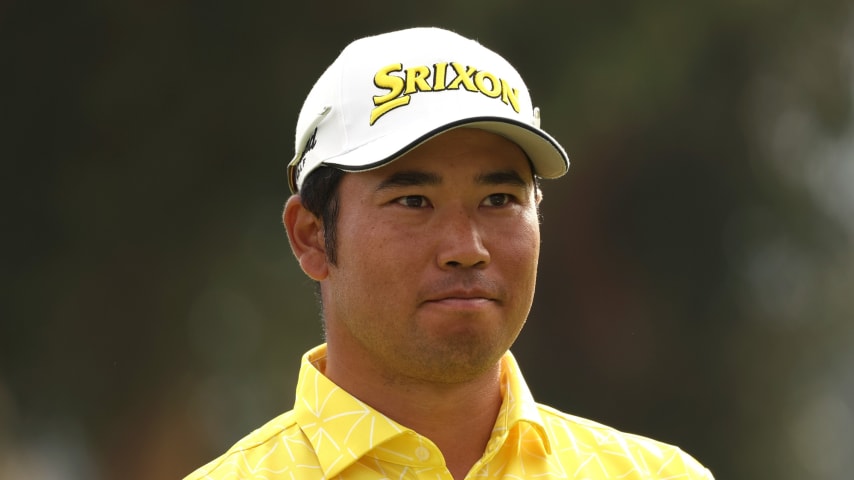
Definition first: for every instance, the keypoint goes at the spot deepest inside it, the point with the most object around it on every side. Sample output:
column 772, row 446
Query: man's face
column 437, row 260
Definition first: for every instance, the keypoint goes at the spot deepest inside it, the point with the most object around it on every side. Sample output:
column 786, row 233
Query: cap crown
column 388, row 93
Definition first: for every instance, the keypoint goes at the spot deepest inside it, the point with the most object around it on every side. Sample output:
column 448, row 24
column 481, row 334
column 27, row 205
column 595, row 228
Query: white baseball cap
column 384, row 95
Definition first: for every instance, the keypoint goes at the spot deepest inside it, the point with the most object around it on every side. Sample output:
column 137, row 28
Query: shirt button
column 422, row 453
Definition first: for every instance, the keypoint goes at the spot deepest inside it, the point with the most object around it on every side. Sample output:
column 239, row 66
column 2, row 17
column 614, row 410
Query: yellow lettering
column 439, row 78
column 494, row 89
column 399, row 88
column 416, row 79
column 463, row 76
column 392, row 83
column 510, row 95
column 388, row 106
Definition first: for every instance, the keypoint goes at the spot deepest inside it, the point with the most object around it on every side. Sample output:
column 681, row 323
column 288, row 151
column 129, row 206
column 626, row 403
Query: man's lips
column 462, row 297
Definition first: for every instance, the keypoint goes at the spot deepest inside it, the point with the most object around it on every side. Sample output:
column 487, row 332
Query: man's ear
column 305, row 234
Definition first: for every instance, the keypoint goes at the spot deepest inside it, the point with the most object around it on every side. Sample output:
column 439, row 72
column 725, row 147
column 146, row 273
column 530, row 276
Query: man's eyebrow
column 502, row 177
column 409, row 178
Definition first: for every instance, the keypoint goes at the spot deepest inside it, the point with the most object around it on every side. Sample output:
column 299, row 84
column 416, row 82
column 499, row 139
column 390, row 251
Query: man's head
column 415, row 203
column 386, row 94
column 436, row 258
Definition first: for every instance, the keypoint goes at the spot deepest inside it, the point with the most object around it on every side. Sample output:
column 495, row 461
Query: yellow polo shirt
column 332, row 435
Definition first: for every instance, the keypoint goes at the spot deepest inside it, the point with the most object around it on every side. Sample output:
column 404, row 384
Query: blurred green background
column 697, row 279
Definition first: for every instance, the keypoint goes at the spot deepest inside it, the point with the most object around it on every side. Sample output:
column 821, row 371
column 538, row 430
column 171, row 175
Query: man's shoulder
column 587, row 438
column 279, row 432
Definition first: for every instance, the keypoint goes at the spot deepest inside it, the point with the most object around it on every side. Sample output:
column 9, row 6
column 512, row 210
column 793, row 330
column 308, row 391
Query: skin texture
column 435, row 276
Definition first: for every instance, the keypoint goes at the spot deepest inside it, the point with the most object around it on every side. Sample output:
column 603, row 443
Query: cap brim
column 547, row 156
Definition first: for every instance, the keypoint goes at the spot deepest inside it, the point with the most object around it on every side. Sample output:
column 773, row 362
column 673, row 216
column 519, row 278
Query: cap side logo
column 309, row 145
column 436, row 78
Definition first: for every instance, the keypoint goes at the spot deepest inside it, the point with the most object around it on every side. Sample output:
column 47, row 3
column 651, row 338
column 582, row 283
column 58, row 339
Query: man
column 415, row 180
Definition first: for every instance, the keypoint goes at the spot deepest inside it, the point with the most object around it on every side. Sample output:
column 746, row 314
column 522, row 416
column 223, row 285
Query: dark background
column 697, row 269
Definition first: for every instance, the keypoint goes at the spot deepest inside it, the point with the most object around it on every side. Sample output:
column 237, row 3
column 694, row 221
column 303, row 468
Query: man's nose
column 461, row 241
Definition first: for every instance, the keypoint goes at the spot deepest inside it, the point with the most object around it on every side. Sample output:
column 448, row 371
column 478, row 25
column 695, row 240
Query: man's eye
column 413, row 201
column 497, row 200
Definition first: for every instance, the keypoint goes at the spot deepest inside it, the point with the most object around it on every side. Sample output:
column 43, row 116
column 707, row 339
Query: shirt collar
column 518, row 404
column 342, row 429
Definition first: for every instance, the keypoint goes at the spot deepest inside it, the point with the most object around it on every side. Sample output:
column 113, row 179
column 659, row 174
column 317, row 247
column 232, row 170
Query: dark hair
column 319, row 194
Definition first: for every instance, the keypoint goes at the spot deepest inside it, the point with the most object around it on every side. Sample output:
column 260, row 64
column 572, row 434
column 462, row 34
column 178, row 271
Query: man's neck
column 458, row 418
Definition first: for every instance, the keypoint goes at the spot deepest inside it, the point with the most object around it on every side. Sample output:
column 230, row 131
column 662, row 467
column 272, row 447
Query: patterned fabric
column 332, row 435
